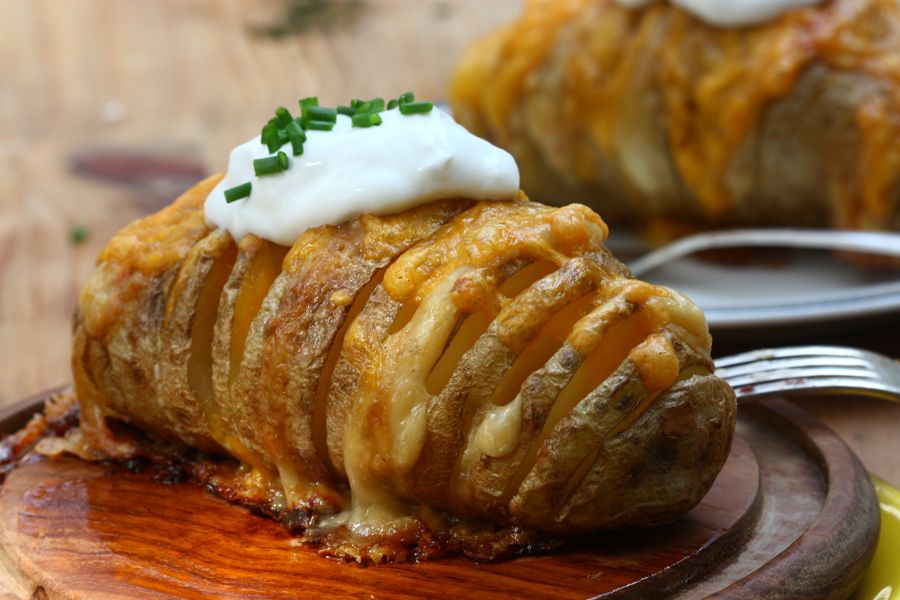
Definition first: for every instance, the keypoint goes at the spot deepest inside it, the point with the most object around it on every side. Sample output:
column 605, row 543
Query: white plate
column 807, row 288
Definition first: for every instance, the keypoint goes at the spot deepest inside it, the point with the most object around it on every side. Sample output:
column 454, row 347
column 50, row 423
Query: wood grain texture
column 792, row 506
column 110, row 108
column 828, row 558
column 72, row 525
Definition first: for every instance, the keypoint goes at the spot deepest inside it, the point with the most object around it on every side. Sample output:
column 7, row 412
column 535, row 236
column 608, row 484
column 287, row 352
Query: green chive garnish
column 283, row 128
column 266, row 137
column 307, row 102
column 366, row 120
column 270, row 165
column 414, row 108
column 283, row 116
column 297, row 144
column 375, row 105
column 320, row 113
column 294, row 129
column 268, row 130
column 276, row 140
column 319, row 125
column 79, row 234
column 238, row 192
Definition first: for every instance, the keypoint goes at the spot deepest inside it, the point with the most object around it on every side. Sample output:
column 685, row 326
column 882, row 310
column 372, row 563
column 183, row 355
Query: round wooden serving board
column 792, row 515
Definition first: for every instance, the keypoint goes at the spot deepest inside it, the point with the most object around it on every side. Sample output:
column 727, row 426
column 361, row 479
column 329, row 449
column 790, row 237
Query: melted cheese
column 461, row 272
column 710, row 87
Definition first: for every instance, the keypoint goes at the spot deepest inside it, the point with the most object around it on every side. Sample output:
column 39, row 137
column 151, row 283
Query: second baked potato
column 649, row 114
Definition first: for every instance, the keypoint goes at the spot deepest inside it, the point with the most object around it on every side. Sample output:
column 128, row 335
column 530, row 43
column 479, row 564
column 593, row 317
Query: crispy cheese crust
column 458, row 363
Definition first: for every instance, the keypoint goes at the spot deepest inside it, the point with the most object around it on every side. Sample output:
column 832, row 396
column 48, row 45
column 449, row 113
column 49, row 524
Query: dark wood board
column 792, row 512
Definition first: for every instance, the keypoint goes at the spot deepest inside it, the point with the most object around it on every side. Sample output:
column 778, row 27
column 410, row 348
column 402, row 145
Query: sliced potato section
column 491, row 360
column 620, row 401
column 185, row 383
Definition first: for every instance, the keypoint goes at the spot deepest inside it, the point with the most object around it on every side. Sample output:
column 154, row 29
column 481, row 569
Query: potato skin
column 670, row 453
column 121, row 315
column 328, row 403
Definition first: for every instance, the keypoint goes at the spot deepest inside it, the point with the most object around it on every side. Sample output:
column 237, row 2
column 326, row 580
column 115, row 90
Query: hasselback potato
column 654, row 117
column 469, row 361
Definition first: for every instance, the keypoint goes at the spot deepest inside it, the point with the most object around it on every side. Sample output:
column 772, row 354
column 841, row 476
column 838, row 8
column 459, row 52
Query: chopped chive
column 238, row 192
column 307, row 102
column 283, row 116
column 393, row 104
column 273, row 144
column 407, row 98
column 375, row 105
column 269, row 165
column 318, row 125
column 78, row 234
column 293, row 129
column 283, row 161
column 346, row 110
column 366, row 119
column 297, row 144
column 276, row 140
column 355, row 103
column 320, row 113
column 268, row 131
column 413, row 108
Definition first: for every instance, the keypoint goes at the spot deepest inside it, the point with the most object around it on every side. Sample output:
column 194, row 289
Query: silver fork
column 805, row 370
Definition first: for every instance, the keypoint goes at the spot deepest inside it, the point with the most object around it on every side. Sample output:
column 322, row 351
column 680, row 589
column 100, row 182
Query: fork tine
column 874, row 389
column 811, row 369
column 792, row 363
column 798, row 376
column 791, row 352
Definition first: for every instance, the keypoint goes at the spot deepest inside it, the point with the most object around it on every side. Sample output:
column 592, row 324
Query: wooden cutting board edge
column 844, row 521
column 849, row 519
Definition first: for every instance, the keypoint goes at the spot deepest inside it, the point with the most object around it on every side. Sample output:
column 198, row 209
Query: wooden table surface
column 109, row 108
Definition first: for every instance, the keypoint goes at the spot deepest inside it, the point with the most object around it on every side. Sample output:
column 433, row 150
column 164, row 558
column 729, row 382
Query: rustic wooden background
column 109, row 108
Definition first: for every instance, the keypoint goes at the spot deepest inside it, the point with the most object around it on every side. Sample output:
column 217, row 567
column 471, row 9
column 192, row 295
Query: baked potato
column 657, row 119
column 461, row 362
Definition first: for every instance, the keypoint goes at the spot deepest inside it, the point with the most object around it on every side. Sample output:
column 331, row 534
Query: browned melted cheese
column 459, row 271
column 144, row 248
column 536, row 280
column 715, row 84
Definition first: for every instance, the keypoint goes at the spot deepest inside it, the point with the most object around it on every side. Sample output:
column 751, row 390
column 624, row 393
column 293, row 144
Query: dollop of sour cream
column 730, row 13
column 348, row 171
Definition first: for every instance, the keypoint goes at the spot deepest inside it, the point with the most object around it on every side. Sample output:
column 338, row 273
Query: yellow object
column 882, row 580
